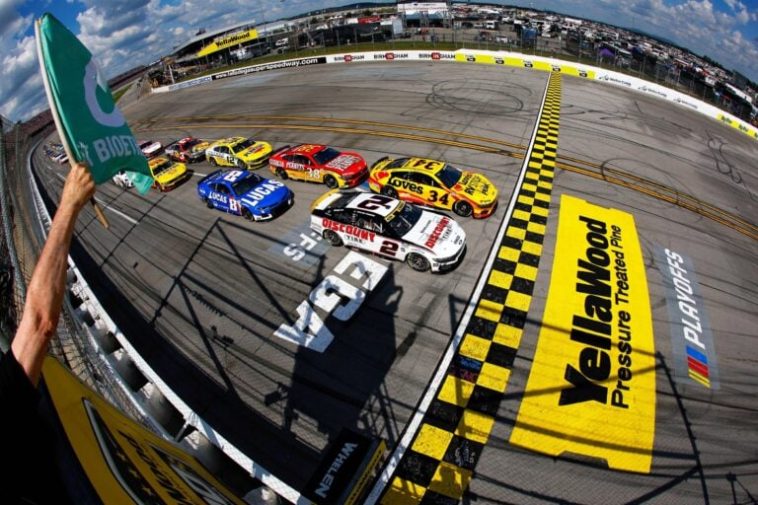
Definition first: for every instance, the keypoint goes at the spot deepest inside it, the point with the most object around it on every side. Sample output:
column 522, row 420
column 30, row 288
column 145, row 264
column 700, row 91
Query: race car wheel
column 208, row 203
column 389, row 191
column 330, row 182
column 247, row 214
column 332, row 238
column 418, row 262
column 240, row 164
column 463, row 208
column 212, row 161
column 281, row 173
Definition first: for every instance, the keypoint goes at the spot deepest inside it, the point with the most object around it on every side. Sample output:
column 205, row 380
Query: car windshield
column 243, row 145
column 325, row 156
column 191, row 143
column 403, row 219
column 449, row 175
column 397, row 163
column 242, row 186
column 157, row 169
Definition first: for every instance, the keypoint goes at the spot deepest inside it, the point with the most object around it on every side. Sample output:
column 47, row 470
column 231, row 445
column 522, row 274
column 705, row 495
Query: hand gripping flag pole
column 90, row 126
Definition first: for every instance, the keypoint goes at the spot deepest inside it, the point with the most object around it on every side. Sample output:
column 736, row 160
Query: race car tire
column 281, row 173
column 389, row 191
column 247, row 214
column 212, row 161
column 332, row 238
column 240, row 164
column 418, row 262
column 208, row 203
column 330, row 182
column 463, row 208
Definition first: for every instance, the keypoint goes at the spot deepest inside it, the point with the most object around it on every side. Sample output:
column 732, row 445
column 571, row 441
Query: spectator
column 28, row 442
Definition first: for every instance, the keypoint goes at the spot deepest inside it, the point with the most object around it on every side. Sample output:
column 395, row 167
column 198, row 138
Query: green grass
column 120, row 92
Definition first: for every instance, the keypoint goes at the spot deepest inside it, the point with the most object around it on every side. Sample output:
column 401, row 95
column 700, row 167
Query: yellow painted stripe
column 613, row 417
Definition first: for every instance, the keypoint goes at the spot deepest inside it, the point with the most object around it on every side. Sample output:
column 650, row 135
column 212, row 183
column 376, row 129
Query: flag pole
column 56, row 119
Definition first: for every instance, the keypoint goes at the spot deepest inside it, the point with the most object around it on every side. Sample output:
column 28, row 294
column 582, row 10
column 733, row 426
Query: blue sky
column 126, row 33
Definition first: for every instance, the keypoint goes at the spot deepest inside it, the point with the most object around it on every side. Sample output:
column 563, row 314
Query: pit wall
column 504, row 58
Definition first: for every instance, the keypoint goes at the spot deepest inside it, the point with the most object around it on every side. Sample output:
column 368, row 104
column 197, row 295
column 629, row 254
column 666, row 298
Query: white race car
column 389, row 227
column 122, row 180
column 150, row 148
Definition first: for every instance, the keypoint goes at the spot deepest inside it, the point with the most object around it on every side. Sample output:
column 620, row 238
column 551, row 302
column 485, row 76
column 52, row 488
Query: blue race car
column 245, row 193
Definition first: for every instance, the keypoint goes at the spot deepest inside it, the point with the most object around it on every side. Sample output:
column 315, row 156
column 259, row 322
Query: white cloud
column 20, row 92
column 126, row 33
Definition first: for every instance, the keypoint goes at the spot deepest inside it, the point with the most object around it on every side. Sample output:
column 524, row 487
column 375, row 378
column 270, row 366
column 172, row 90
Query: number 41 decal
column 340, row 297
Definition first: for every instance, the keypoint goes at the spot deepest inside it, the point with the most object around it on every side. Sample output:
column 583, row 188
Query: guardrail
column 136, row 379
column 504, row 58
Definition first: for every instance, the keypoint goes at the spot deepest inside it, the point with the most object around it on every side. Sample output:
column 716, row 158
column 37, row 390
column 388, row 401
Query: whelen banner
column 125, row 462
column 591, row 389
column 227, row 41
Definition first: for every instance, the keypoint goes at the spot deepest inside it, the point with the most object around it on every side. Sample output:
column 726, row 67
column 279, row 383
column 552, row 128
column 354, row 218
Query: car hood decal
column 172, row 173
column 254, row 151
column 343, row 162
column 437, row 233
column 477, row 187
column 267, row 192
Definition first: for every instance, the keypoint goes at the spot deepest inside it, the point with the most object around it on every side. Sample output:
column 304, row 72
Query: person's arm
column 44, row 297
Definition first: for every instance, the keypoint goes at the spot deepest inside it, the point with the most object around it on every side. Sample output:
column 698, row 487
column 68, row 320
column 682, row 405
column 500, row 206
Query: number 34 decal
column 434, row 197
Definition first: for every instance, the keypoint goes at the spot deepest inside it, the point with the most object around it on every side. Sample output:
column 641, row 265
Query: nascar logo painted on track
column 591, row 390
column 691, row 335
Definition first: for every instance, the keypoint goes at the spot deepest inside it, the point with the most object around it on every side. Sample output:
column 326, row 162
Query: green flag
column 89, row 123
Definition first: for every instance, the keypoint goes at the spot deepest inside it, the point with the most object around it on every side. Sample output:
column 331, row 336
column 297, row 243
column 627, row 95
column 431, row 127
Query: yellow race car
column 167, row 174
column 238, row 152
column 434, row 183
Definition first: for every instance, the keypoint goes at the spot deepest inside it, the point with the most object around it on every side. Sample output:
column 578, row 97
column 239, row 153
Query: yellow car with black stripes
column 166, row 173
column 240, row 152
column 436, row 184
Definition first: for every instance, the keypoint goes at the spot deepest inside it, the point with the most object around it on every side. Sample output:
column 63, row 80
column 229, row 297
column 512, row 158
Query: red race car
column 187, row 150
column 319, row 163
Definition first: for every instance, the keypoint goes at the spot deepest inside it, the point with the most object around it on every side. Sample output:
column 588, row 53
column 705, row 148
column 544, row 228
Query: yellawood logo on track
column 591, row 389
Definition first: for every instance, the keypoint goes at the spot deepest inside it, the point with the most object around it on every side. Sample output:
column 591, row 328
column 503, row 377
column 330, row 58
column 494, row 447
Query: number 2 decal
column 389, row 248
column 376, row 202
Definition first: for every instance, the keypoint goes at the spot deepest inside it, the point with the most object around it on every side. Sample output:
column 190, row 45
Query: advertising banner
column 591, row 389
column 344, row 463
column 302, row 62
column 125, row 462
column 227, row 41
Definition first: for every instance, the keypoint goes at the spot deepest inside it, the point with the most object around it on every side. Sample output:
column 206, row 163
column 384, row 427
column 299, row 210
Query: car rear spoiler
column 209, row 176
column 379, row 161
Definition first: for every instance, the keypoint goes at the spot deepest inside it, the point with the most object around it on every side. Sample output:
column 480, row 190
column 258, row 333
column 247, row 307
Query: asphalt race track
column 201, row 293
